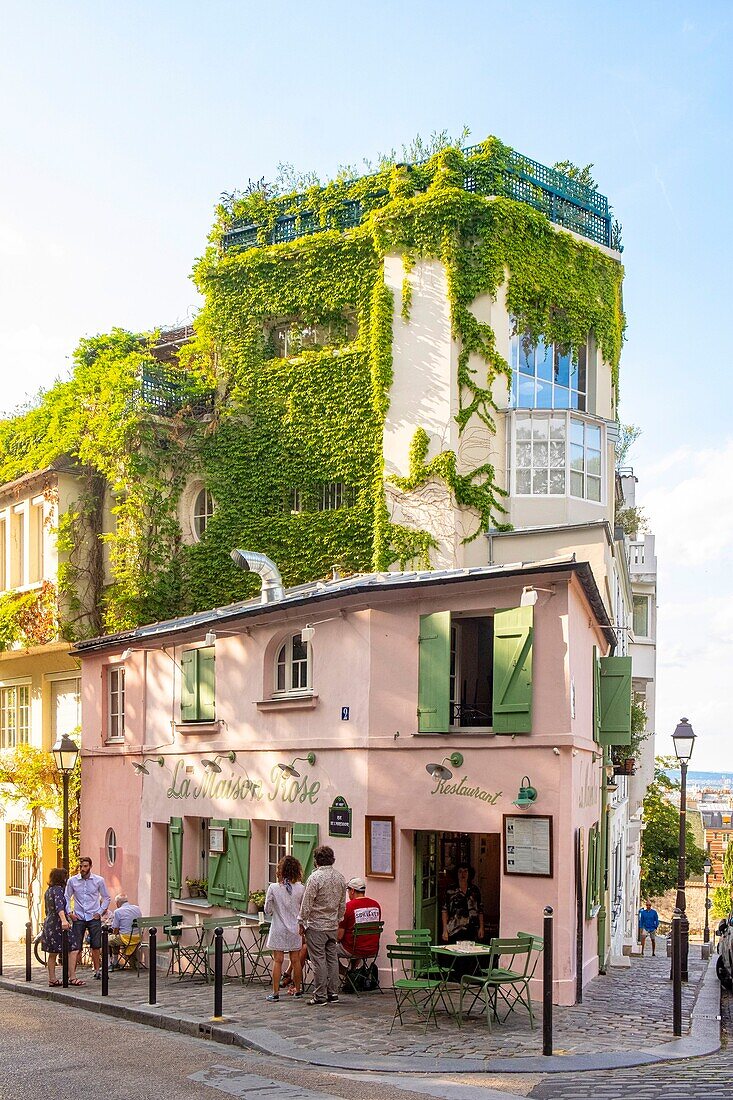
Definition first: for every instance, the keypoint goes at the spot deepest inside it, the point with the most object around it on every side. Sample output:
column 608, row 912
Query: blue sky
column 121, row 124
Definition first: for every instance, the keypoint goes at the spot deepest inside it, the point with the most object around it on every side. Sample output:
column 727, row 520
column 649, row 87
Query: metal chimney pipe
column 264, row 567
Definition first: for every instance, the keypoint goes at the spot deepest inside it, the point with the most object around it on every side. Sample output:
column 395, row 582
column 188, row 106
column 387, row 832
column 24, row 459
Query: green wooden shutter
column 615, row 727
column 596, row 695
column 175, row 856
column 433, row 690
column 240, row 832
column 305, row 839
column 189, row 710
column 206, row 684
column 217, row 890
column 513, row 670
column 592, row 874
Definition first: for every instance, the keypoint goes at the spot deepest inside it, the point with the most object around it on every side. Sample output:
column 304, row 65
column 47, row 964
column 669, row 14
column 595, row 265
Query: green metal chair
column 233, row 949
column 410, row 990
column 361, row 961
column 160, row 924
column 260, row 957
column 422, row 937
column 538, row 946
column 510, row 981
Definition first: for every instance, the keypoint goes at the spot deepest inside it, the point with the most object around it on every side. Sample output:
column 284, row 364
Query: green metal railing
column 166, row 392
column 565, row 201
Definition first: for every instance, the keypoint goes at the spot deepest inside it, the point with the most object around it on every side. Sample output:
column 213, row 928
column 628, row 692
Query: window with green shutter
column 238, row 845
column 305, row 839
column 198, row 685
column 217, row 888
column 593, row 874
column 615, row 701
column 175, row 856
column 512, row 702
column 433, row 693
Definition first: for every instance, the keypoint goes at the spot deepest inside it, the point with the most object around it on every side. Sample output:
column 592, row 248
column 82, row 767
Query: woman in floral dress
column 56, row 920
column 282, row 906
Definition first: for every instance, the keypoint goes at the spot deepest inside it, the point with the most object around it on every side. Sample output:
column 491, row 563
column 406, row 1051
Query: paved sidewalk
column 625, row 1019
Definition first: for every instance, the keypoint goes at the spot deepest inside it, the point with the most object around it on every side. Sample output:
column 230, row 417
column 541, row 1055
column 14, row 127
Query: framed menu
column 380, row 847
column 528, row 845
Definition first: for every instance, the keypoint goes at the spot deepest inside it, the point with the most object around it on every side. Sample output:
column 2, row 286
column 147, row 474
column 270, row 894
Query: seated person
column 122, row 920
column 463, row 911
column 359, row 910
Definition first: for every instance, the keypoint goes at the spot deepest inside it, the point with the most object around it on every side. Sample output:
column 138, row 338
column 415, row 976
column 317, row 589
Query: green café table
column 451, row 953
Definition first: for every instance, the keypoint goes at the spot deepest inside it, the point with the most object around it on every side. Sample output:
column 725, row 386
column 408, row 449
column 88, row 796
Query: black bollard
column 677, row 973
column 105, row 961
column 1, row 949
column 547, row 982
column 152, row 966
column 218, row 972
column 28, row 951
column 65, row 958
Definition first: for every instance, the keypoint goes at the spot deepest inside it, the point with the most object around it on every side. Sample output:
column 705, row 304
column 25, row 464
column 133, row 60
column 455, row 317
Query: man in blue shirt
column 648, row 924
column 87, row 901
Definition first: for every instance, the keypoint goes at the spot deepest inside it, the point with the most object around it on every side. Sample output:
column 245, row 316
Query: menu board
column 528, row 845
column 380, row 847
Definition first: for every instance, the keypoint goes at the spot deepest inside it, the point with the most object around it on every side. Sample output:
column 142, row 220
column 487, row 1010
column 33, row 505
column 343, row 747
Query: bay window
column 557, row 454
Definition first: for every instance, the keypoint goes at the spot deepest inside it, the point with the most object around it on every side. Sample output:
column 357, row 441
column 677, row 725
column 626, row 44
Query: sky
column 121, row 124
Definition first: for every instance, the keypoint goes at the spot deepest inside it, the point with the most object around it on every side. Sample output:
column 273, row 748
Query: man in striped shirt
column 321, row 910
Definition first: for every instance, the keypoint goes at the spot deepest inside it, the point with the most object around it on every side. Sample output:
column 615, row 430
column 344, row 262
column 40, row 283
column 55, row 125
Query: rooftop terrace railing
column 167, row 392
column 565, row 201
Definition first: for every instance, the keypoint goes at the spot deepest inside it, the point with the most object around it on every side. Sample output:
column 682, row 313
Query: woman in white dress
column 282, row 906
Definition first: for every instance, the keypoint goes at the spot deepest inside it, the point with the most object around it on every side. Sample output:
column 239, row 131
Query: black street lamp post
column 684, row 741
column 65, row 753
column 707, row 868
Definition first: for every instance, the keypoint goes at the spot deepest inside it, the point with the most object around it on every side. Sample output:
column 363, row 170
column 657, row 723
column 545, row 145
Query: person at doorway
column 648, row 925
column 123, row 918
column 56, row 921
column 463, row 911
column 321, row 911
column 87, row 901
column 359, row 910
column 282, row 906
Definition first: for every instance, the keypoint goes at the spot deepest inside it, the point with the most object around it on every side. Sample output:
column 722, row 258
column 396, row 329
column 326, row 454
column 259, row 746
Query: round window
column 110, row 845
column 203, row 510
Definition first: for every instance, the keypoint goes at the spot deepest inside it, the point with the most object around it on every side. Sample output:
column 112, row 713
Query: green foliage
column 28, row 618
column 627, row 437
column 632, row 521
column 580, row 175
column 722, row 895
column 639, row 734
column 660, row 850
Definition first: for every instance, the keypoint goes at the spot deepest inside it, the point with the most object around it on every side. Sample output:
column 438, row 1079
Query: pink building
column 212, row 745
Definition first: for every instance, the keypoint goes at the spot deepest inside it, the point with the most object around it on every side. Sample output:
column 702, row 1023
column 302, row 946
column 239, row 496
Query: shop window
column 293, row 667
column 116, row 703
column 641, row 616
column 15, row 715
column 547, row 376
column 198, row 686
column 110, row 847
column 476, row 672
column 19, row 868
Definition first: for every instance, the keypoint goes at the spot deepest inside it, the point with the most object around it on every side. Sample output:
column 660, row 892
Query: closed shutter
column 175, row 856
column 237, row 894
column 217, row 890
column 433, row 686
column 512, row 711
column 189, row 710
column 206, row 684
column 305, row 839
column 615, row 725
column 596, row 695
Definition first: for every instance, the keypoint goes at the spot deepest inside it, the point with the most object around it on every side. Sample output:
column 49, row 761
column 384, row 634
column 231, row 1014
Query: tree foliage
column 660, row 851
column 722, row 895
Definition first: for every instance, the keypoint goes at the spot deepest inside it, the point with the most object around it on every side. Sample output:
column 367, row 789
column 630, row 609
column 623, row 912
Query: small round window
column 110, row 845
column 203, row 510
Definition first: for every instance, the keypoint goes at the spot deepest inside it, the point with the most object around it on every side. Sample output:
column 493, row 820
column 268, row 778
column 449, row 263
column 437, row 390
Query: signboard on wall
column 339, row 818
column 528, row 845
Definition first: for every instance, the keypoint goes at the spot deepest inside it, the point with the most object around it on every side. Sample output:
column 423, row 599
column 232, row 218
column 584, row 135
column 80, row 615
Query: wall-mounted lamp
column 289, row 769
column 126, row 653
column 214, row 765
column 529, row 595
column 211, row 635
column 142, row 769
column 439, row 771
column 527, row 794
column 309, row 629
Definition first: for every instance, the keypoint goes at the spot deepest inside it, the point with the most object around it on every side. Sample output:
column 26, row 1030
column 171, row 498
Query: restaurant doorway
column 437, row 858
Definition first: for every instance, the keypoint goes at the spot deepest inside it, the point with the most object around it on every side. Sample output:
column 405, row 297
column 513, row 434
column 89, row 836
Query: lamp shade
column 65, row 753
column 707, row 866
column 683, row 739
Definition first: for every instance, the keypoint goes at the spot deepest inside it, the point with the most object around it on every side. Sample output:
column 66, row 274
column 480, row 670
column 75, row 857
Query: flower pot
column 194, row 892
column 625, row 767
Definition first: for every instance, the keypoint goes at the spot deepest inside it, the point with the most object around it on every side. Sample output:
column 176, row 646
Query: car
column 724, row 962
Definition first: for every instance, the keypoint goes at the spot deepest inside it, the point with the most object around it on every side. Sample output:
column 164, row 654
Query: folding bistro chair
column 411, row 991
column 359, row 965
column 260, row 958
column 509, row 982
column 127, row 954
column 230, row 951
column 144, row 924
column 421, row 937
column 538, row 946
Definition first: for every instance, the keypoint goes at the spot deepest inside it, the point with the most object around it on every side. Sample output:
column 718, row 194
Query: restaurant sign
column 463, row 789
column 242, row 788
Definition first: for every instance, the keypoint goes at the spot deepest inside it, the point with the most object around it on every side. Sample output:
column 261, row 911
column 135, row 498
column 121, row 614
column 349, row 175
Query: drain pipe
column 265, row 568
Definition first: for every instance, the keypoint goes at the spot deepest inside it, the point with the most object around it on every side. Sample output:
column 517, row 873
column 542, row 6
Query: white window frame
column 333, row 496
column 15, row 713
column 647, row 600
column 110, row 846
column 569, row 417
column 201, row 513
column 293, row 669
column 19, row 871
column 115, row 702
column 279, row 844
column 517, row 374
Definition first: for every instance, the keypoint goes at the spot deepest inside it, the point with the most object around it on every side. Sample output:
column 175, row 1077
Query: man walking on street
column 90, row 899
column 648, row 924
column 321, row 910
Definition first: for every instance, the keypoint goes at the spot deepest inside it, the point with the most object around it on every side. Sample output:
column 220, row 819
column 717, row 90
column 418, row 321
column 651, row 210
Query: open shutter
column 513, row 670
column 591, row 879
column 433, row 686
column 206, row 684
column 237, row 894
column 189, row 710
column 217, row 890
column 175, row 856
column 305, row 839
column 615, row 727
column 596, row 695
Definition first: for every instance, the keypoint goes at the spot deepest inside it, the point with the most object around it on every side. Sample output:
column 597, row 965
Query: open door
column 426, row 882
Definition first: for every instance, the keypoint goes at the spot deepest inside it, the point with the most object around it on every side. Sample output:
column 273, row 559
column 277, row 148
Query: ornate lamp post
column 684, row 741
column 65, row 753
column 707, row 868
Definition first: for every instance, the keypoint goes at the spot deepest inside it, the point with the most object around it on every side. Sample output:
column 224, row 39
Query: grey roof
column 317, row 593
column 713, row 819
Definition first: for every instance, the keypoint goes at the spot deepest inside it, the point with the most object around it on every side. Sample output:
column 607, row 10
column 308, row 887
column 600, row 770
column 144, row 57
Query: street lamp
column 707, row 868
column 65, row 753
column 683, row 739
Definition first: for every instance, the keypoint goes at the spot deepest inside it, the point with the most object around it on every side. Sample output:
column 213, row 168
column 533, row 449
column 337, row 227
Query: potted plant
column 197, row 887
column 256, row 901
column 624, row 757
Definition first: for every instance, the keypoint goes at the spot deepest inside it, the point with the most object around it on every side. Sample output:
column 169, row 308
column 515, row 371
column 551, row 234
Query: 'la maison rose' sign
column 242, row 789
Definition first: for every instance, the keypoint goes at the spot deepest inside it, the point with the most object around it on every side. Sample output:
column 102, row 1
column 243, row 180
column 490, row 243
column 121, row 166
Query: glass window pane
column 524, row 482
column 557, row 481
column 523, row 427
column 593, row 463
column 539, row 456
column 594, row 488
column 526, row 356
column 576, row 457
column 524, row 454
column 581, row 369
column 577, row 401
column 300, row 650
column 576, row 431
column 557, row 455
column 576, row 484
column 593, row 437
column 557, row 427
column 543, row 359
column 641, row 616
column 562, row 397
column 544, row 395
column 525, row 392
column 562, row 368
column 540, row 428
column 539, row 481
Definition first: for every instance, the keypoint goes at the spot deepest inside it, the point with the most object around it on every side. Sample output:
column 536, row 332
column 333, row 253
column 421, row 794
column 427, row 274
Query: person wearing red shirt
column 359, row 910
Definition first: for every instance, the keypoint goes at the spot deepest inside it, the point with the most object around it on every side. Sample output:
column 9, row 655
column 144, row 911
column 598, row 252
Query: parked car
column 724, row 962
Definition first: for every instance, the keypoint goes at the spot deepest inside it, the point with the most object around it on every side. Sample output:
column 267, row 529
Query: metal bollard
column 152, row 966
column 28, row 950
column 1, row 949
column 677, row 973
column 547, row 982
column 218, row 972
column 105, row 961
